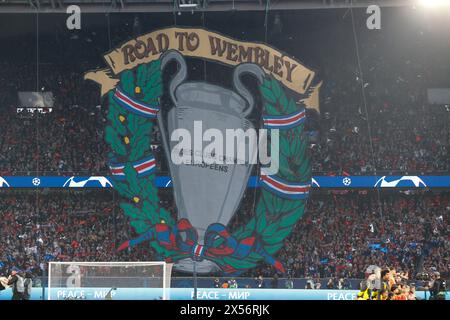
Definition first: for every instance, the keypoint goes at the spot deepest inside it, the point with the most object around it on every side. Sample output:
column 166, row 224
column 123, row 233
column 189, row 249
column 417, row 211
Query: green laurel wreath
column 129, row 137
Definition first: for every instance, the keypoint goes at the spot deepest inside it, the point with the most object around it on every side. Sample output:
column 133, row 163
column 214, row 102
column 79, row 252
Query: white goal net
column 108, row 280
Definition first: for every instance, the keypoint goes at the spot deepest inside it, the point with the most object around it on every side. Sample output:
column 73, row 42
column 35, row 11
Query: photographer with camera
column 364, row 291
column 373, row 274
column 16, row 280
column 438, row 287
column 28, row 284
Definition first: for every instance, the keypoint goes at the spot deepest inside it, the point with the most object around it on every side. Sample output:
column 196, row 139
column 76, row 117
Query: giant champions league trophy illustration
column 202, row 195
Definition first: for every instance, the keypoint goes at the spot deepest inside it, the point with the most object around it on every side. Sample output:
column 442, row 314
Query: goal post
column 108, row 280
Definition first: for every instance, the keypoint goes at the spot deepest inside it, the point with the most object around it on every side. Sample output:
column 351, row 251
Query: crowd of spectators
column 338, row 237
column 38, row 227
column 68, row 140
column 404, row 141
column 341, row 236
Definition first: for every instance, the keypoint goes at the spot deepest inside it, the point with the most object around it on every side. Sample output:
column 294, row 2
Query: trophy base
column 202, row 267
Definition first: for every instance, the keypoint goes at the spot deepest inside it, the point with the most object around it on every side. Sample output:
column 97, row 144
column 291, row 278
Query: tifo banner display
column 344, row 182
column 212, row 142
column 202, row 294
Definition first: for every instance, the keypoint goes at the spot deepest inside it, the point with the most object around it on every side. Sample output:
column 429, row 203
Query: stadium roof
column 180, row 5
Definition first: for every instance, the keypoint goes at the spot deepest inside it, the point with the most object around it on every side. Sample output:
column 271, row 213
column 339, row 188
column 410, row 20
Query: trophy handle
column 179, row 77
column 181, row 74
column 252, row 69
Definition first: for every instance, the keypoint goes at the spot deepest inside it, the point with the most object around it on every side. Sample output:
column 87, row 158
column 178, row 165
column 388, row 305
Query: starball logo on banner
column 199, row 129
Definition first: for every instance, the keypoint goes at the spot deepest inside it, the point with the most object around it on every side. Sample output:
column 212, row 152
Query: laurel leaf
column 277, row 203
column 154, row 68
column 268, row 95
column 148, row 189
column 254, row 257
column 272, row 249
column 291, row 107
column 246, row 231
column 150, row 212
column 140, row 148
column 131, row 176
column 261, row 207
column 123, row 190
column 239, row 264
column 290, row 219
column 139, row 226
column 267, row 83
column 304, row 171
column 284, row 170
column 267, row 199
column 284, row 145
column 276, row 89
column 290, row 205
column 132, row 211
column 144, row 182
column 295, row 147
column 154, row 91
column 113, row 139
column 127, row 82
column 270, row 109
column 133, row 123
column 283, row 102
column 278, row 236
column 270, row 230
column 141, row 75
column 120, row 129
column 165, row 215
column 157, row 247
column 237, row 233
column 154, row 79
column 113, row 115
column 251, row 224
column 261, row 223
